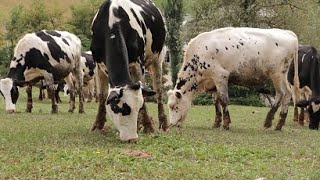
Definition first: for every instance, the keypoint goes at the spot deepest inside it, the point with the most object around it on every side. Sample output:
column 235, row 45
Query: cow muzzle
column 11, row 111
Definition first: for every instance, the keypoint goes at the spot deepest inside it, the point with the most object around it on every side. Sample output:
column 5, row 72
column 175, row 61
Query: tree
column 81, row 19
column 174, row 17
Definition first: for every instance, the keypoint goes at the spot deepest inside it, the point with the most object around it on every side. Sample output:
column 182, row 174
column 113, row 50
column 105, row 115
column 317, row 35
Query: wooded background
column 185, row 19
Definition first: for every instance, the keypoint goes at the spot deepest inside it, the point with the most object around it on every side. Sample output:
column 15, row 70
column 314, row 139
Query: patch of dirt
column 136, row 153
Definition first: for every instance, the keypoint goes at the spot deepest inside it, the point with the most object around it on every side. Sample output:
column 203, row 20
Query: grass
column 44, row 145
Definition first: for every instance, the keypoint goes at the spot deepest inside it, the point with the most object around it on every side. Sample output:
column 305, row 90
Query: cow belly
column 61, row 71
column 248, row 76
column 33, row 73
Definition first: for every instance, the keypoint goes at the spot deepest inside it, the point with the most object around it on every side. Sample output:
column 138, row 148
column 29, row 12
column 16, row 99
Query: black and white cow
column 309, row 75
column 243, row 56
column 88, row 68
column 48, row 55
column 127, row 36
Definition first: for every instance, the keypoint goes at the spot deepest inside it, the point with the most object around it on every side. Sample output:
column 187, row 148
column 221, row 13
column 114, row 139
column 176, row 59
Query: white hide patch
column 127, row 125
column 5, row 88
column 315, row 107
column 127, row 6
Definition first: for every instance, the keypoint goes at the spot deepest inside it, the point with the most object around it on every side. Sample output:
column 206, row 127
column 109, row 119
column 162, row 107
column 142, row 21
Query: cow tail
column 296, row 82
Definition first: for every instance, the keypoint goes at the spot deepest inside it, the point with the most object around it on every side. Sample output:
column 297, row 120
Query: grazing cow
column 127, row 37
column 309, row 75
column 42, row 85
column 88, row 68
column 48, row 55
column 242, row 56
column 313, row 108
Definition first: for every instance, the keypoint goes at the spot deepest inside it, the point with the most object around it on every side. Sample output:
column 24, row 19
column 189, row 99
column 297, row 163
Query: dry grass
column 7, row 5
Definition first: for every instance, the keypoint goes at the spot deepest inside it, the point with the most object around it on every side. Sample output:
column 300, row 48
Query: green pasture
column 61, row 146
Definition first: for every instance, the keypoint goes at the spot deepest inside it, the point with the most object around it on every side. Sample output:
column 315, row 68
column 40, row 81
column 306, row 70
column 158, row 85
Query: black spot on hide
column 217, row 51
column 206, row 47
column 226, row 48
column 54, row 33
column 55, row 50
column 241, row 43
column 181, row 83
column 125, row 110
column 277, row 44
column 65, row 41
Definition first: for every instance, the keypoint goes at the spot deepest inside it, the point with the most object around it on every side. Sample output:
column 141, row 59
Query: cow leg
column 29, row 98
column 71, row 89
column 218, row 118
column 51, row 93
column 222, row 89
column 146, row 120
column 295, row 114
column 41, row 94
column 143, row 117
column 102, row 93
column 78, row 73
column 156, row 72
column 301, row 117
column 306, row 116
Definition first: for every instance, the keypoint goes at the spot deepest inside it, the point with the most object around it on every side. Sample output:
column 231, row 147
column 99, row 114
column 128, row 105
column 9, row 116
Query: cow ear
column 134, row 86
column 178, row 95
column 112, row 96
column 146, row 91
column 303, row 103
column 316, row 100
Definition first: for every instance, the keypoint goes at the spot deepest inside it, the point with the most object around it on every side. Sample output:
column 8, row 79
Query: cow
column 48, row 55
column 88, row 68
column 127, row 37
column 309, row 75
column 42, row 85
column 241, row 56
column 303, row 116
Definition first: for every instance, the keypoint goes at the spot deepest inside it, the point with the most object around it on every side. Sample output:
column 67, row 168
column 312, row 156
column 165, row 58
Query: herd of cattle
column 127, row 39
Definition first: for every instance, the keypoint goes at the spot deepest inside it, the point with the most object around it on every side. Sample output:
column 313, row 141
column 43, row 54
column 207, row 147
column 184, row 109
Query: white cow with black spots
column 243, row 56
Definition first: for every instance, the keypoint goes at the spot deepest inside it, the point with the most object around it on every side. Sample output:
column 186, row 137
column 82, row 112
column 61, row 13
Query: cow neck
column 16, row 74
column 188, row 80
column 117, row 60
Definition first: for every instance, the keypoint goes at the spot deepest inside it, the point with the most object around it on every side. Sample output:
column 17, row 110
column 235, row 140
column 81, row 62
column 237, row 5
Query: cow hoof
column 70, row 111
column 54, row 111
column 278, row 128
column 81, row 112
column 28, row 110
column 216, row 125
column 267, row 125
column 226, row 127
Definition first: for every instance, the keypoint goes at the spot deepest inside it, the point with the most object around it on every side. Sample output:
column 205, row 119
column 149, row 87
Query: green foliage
column 23, row 20
column 202, row 99
column 174, row 18
column 81, row 19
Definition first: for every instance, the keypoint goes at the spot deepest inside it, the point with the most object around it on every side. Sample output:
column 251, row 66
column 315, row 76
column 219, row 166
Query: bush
column 202, row 99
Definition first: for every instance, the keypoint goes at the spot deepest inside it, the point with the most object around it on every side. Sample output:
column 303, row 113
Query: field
column 43, row 145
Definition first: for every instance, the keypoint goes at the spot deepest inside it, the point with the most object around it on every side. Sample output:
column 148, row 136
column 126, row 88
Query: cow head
column 178, row 104
column 123, row 106
column 313, row 107
column 9, row 91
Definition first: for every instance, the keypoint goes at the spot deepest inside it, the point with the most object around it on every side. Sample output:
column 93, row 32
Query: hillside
column 7, row 5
